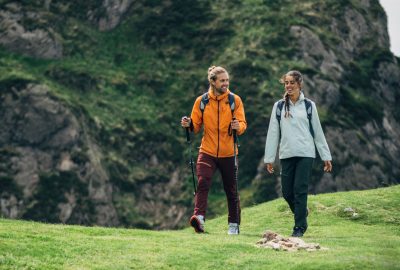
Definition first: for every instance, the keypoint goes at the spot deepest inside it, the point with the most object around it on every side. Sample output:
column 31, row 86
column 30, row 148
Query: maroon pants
column 206, row 166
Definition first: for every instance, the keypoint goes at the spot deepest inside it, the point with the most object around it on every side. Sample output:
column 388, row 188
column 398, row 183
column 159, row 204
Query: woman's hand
column 269, row 167
column 327, row 166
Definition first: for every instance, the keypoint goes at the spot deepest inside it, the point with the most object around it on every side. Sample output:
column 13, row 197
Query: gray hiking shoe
column 233, row 228
column 197, row 222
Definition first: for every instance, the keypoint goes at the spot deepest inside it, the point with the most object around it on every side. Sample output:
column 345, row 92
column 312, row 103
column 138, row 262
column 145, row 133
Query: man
column 222, row 113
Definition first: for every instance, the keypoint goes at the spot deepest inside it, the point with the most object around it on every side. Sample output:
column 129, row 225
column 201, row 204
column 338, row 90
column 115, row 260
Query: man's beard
column 220, row 90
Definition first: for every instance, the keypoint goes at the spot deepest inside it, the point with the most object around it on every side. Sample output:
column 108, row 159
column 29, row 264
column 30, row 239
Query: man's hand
column 185, row 122
column 269, row 167
column 235, row 124
column 327, row 166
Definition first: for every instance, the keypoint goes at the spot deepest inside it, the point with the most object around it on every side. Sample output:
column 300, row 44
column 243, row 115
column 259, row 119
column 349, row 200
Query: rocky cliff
column 92, row 93
column 355, row 82
column 50, row 161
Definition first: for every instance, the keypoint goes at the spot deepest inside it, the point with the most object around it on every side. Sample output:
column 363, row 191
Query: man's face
column 221, row 83
column 291, row 86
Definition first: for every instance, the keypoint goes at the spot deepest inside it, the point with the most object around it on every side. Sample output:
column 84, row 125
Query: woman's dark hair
column 298, row 77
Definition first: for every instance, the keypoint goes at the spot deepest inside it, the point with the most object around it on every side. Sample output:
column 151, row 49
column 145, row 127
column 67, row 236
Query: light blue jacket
column 296, row 139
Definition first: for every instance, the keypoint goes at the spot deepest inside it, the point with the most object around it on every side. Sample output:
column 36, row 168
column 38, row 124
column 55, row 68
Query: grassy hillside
column 369, row 241
column 132, row 85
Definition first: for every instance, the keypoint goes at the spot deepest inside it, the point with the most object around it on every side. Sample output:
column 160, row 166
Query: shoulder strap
column 204, row 102
column 278, row 114
column 279, row 110
column 205, row 99
column 308, row 105
column 231, row 98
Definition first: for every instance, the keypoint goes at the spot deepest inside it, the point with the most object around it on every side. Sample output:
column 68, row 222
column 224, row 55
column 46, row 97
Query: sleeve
column 272, row 141
column 319, row 137
column 196, row 116
column 240, row 115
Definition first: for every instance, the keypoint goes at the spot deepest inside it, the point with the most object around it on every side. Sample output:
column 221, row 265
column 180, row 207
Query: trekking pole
column 235, row 142
column 191, row 159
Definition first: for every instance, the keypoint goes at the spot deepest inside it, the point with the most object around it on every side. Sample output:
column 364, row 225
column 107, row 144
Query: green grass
column 131, row 85
column 371, row 241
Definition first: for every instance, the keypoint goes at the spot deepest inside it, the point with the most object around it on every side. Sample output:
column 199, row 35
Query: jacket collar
column 220, row 97
column 301, row 98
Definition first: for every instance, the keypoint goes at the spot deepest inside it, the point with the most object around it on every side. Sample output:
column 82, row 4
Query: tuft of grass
column 371, row 241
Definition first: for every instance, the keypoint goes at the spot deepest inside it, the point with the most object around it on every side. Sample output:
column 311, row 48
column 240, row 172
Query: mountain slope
column 369, row 241
column 91, row 94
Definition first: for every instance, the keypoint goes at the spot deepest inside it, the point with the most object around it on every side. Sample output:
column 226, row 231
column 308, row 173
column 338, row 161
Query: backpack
column 308, row 105
column 205, row 99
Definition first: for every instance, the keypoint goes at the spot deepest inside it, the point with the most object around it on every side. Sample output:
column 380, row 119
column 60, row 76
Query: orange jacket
column 216, row 118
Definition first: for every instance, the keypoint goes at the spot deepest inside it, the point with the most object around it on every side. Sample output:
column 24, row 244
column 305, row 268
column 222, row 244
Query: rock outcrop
column 47, row 148
column 40, row 43
column 366, row 149
column 114, row 12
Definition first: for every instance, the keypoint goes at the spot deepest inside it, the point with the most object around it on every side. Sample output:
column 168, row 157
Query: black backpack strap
column 279, row 108
column 308, row 105
column 278, row 114
column 231, row 98
column 205, row 99
column 204, row 102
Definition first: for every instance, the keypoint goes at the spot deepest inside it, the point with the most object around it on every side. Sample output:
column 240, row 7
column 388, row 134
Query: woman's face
column 291, row 86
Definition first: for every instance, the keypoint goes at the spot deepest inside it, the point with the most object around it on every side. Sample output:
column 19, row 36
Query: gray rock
column 44, row 134
column 314, row 53
column 67, row 208
column 40, row 43
column 387, row 83
column 326, row 184
column 115, row 10
column 275, row 241
column 358, row 29
column 322, row 91
column 10, row 206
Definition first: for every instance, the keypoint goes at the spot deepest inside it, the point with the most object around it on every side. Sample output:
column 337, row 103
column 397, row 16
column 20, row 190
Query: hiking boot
column 233, row 228
column 197, row 222
column 298, row 231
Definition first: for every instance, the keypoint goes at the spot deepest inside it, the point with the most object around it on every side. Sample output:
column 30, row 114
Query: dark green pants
column 295, row 175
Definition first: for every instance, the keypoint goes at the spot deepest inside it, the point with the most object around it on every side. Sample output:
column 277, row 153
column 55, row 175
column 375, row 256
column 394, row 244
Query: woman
column 297, row 133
